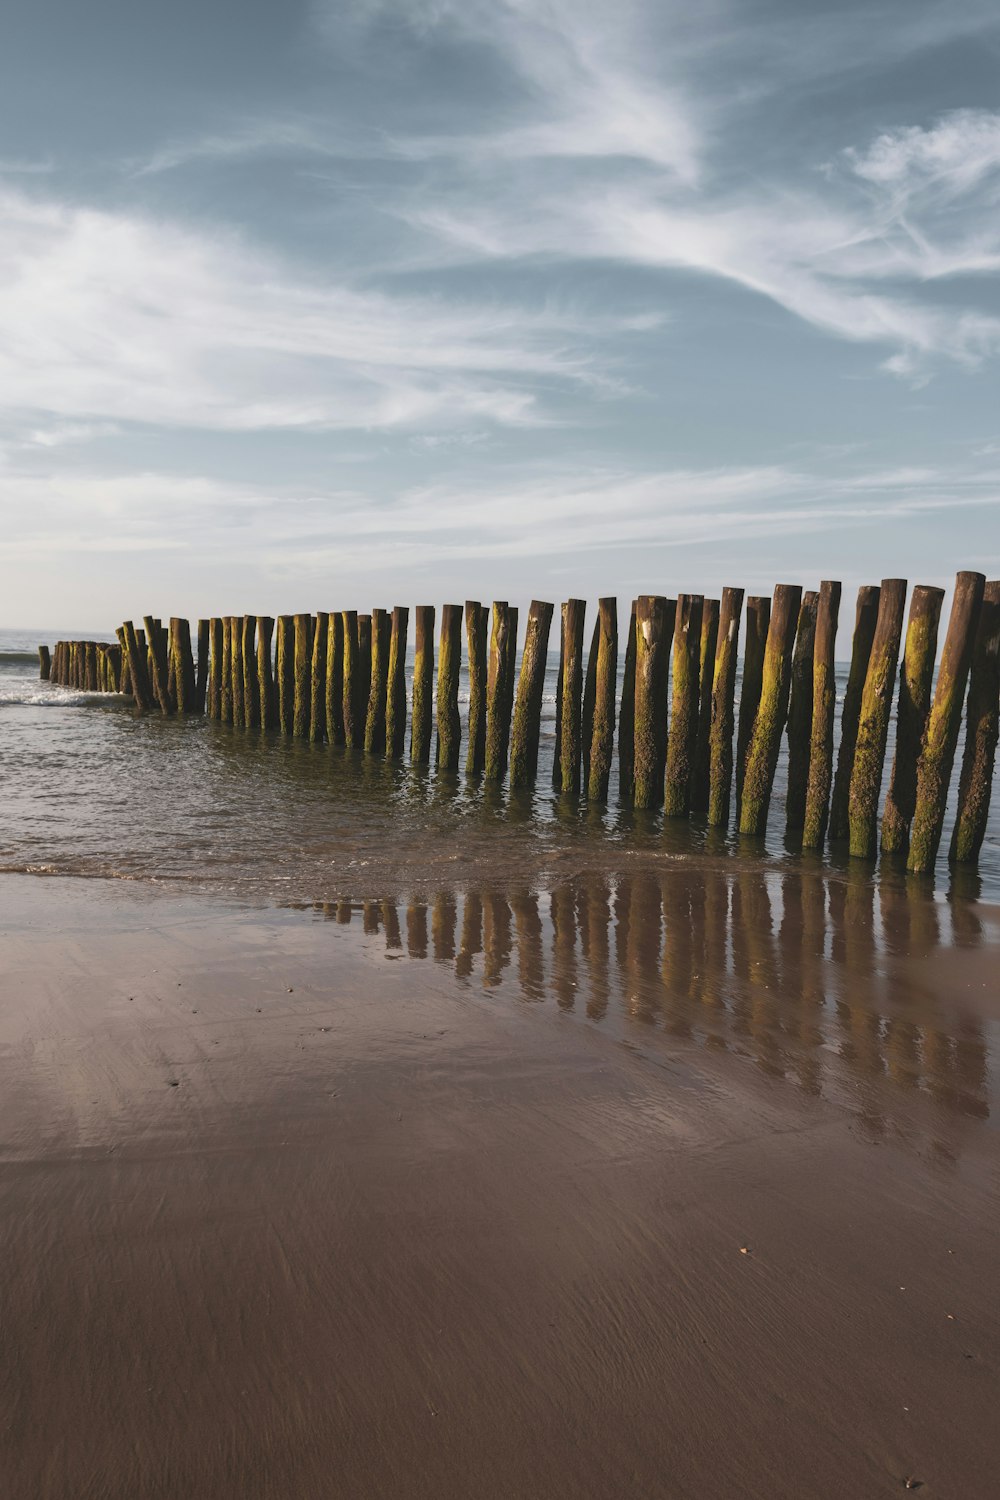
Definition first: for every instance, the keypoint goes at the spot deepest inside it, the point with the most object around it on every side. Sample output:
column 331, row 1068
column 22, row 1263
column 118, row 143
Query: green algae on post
column 497, row 703
column 284, row 666
column 353, row 727
column 377, row 693
column 226, row 685
column 317, row 678
column 302, row 692
column 723, row 718
column 475, row 633
column 335, row 677
column 772, row 710
column 395, row 708
column 654, row 631
column 823, row 714
column 183, row 662
column 157, row 652
column 800, row 712
column 423, row 685
column 758, row 623
column 214, row 702
column 684, row 706
column 701, row 771
column 916, row 680
column 251, row 690
column 570, row 747
column 44, row 663
column 201, row 678
column 141, row 690
column 589, row 694
column 239, row 675
column 364, row 672
column 556, row 759
column 626, row 719
column 267, row 698
column 937, row 751
column 602, row 735
column 449, row 720
column 526, row 731
column 865, row 618
column 982, row 726
column 873, row 721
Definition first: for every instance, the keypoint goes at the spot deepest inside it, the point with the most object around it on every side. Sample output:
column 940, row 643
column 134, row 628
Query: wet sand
column 296, row 1206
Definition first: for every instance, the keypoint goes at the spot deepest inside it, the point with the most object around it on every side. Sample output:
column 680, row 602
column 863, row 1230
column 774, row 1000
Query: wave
column 41, row 695
column 14, row 657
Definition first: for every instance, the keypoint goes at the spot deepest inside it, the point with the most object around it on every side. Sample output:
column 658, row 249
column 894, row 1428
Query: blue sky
column 332, row 305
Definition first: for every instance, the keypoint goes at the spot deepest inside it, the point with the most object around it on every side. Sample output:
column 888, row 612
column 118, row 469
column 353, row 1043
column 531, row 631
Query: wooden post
column 239, row 674
column 284, row 670
column 44, row 663
column 302, row 695
column 423, row 685
column 654, row 631
column 125, row 676
column 701, row 768
column 823, row 715
column 937, row 753
column 556, row 753
column 800, row 712
column 475, row 633
column 861, row 649
column 267, row 697
column 765, row 741
column 364, row 672
column 916, row 681
column 685, row 700
column 723, row 718
column 589, row 695
column 395, row 706
column 570, row 748
column 317, row 707
column 981, row 733
column 626, row 718
column 449, row 722
column 91, row 649
column 335, row 677
column 497, row 725
column 214, row 695
column 602, row 736
column 526, row 731
column 873, row 723
column 378, row 692
column 184, row 679
column 226, row 691
column 141, row 690
column 159, row 663
column 758, row 624
column 201, row 680
column 353, row 727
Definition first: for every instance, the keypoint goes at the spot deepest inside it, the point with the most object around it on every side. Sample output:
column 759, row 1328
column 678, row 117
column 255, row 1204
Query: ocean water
column 91, row 789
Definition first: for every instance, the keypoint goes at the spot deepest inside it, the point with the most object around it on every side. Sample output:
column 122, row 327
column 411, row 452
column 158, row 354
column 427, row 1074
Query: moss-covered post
column 982, row 726
column 141, row 690
column 335, row 677
column 701, row 767
column 251, row 687
column 654, row 631
column 526, row 731
column 353, row 724
column 723, row 715
column 125, row 675
column 226, row 685
column 865, row 618
column 626, row 718
column 772, row 711
column 556, row 756
column 758, row 624
column 937, row 752
column 317, row 680
column 497, row 721
column 395, row 707
column 378, row 692
column 800, row 713
column 239, row 674
column 873, row 722
column 157, row 647
column 423, row 685
column 475, row 633
column 267, row 697
column 449, row 721
column 302, row 694
column 684, row 706
column 201, row 679
column 284, row 667
column 213, row 704
column 570, row 748
column 602, row 735
column 589, row 694
column 184, row 679
column 916, row 681
column 44, row 663
column 823, row 714
column 364, row 672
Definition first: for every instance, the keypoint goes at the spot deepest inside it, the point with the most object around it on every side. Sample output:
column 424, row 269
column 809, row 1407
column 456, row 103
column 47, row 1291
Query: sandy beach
column 292, row 1210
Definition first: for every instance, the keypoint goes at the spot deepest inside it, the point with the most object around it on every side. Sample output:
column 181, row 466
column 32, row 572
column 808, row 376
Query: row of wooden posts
column 340, row 677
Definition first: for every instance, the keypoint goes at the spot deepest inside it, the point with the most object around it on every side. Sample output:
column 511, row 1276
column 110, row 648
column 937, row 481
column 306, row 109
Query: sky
column 328, row 305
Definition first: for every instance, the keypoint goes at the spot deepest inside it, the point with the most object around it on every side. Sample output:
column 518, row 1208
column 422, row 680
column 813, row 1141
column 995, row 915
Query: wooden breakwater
column 339, row 678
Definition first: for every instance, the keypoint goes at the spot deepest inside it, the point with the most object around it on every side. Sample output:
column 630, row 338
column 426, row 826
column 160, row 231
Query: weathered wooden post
column 226, row 691
column 201, row 680
column 267, row 697
column 916, row 680
column 570, row 746
column 865, row 618
column 626, row 718
column 44, row 663
column 395, row 707
column 335, row 677
column 937, row 753
column 589, row 695
column 378, row 693
column 180, row 651
column 556, row 755
column 475, row 631
column 823, row 715
column 723, row 708
column 284, row 670
column 684, row 706
column 765, row 741
column 497, row 731
column 239, row 675
column 758, row 624
column 526, row 730
column 125, row 676
column 317, row 685
column 981, row 733
column 449, row 722
column 353, row 727
column 701, row 769
column 214, row 695
column 654, row 632
column 302, row 695
column 800, row 712
column 364, row 682
column 141, row 690
column 158, row 654
column 423, row 685
column 91, row 659
column 873, row 722
column 602, row 736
